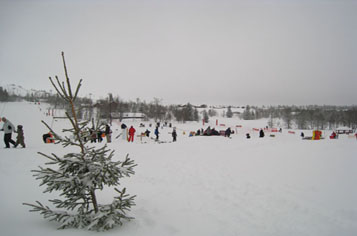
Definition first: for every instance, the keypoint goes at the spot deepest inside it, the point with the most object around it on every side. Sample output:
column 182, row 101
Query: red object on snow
column 132, row 130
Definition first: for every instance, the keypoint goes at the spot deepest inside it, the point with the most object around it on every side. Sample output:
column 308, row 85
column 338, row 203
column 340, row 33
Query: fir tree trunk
column 94, row 201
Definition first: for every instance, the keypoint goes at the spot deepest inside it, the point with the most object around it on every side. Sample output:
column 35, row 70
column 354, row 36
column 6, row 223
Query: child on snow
column 20, row 139
column 174, row 135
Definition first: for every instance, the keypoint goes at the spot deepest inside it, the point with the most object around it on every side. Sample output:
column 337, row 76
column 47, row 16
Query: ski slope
column 273, row 186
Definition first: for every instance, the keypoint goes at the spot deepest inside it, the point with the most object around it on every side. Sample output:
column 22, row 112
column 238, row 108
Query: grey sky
column 215, row 52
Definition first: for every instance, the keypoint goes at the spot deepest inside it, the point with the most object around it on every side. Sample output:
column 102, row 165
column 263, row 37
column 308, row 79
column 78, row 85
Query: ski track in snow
column 200, row 185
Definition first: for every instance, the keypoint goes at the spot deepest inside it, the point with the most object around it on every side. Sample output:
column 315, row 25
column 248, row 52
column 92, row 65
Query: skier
column 131, row 134
column 157, row 132
column 247, row 135
column 174, row 135
column 20, row 139
column 147, row 133
column 124, row 131
column 8, row 127
column 108, row 133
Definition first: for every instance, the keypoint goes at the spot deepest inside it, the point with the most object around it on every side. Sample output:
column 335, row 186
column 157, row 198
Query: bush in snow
column 78, row 175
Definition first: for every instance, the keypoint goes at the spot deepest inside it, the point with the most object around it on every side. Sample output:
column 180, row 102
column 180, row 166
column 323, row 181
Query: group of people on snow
column 129, row 134
column 94, row 135
column 8, row 128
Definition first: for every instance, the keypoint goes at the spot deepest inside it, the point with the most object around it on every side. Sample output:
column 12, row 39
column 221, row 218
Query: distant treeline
column 300, row 117
column 4, row 95
column 305, row 117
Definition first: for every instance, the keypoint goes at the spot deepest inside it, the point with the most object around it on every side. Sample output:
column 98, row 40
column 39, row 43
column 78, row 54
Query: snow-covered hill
column 18, row 90
column 274, row 186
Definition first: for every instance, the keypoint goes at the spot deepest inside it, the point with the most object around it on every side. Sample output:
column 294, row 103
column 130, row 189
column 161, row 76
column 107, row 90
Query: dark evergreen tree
column 287, row 117
column 212, row 112
column 196, row 117
column 205, row 116
column 79, row 175
column 247, row 114
column 187, row 112
column 4, row 96
column 229, row 112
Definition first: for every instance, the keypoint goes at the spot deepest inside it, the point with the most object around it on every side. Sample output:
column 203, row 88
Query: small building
column 344, row 130
column 132, row 116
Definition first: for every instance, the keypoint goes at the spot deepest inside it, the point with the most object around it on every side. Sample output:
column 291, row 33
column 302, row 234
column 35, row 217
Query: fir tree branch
column 54, row 85
column 67, row 78
column 77, row 90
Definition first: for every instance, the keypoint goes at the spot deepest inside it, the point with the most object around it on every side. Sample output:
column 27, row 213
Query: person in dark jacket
column 228, row 132
column 214, row 132
column 20, row 139
column 93, row 135
column 8, row 128
column 174, row 135
column 157, row 132
column 99, row 136
column 261, row 133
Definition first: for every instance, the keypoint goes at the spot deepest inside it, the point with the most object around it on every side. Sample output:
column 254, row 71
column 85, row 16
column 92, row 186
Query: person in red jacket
column 131, row 134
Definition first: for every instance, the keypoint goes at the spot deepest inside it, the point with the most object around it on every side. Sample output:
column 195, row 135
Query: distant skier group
column 129, row 134
column 8, row 128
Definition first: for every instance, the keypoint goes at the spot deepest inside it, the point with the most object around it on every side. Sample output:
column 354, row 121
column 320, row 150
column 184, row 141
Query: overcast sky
column 205, row 52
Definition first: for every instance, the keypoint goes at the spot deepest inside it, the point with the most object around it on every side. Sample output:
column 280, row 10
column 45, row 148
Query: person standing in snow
column 93, row 135
column 8, row 128
column 108, row 133
column 20, row 139
column 228, row 132
column 174, row 135
column 124, row 131
column 157, row 132
column 131, row 134
column 261, row 133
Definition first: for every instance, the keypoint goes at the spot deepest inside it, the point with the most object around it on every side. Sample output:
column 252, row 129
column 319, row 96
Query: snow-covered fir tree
column 80, row 175
column 229, row 112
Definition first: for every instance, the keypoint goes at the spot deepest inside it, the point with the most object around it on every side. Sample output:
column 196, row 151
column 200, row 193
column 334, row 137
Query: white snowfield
column 276, row 186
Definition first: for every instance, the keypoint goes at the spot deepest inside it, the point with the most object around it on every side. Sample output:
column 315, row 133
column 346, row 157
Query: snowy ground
column 200, row 185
